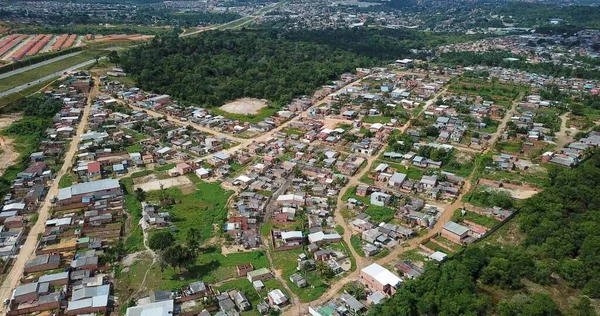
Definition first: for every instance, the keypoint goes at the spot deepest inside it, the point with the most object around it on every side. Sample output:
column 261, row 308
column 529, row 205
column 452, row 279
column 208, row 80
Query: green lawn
column 357, row 244
column 137, row 135
column 201, row 209
column 482, row 220
column 212, row 266
column 67, row 180
column 135, row 148
column 165, row 167
column 141, row 173
column 376, row 119
column 380, row 214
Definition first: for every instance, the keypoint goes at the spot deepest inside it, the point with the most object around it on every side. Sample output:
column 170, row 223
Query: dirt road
column 28, row 249
column 561, row 137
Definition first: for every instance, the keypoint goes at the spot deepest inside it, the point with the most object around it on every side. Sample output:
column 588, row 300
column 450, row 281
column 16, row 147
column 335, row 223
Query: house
column 292, row 236
column 42, row 263
column 454, row 232
column 93, row 171
column 375, row 298
column 162, row 308
column 203, row 173
column 319, row 238
column 380, row 198
column 297, row 279
column 30, row 291
column 396, row 180
column 183, row 168
column 259, row 274
column 352, row 303
column 88, row 191
column 89, row 300
column 438, row 256
column 277, row 298
column 378, row 278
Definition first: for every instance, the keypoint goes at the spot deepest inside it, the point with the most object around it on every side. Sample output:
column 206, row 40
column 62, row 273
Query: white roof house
column 87, row 187
column 291, row 235
column 381, row 275
column 320, row 236
column 438, row 256
column 163, row 308
column 277, row 297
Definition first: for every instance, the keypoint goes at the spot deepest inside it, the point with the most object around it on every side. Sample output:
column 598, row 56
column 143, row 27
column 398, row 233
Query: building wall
column 451, row 236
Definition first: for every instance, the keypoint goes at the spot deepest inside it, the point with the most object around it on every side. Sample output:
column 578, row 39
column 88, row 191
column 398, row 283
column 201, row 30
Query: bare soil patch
column 519, row 194
column 8, row 154
column 245, row 106
column 152, row 183
column 463, row 157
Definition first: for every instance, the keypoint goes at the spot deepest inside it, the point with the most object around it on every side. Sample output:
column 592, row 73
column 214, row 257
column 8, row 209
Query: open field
column 34, row 74
column 245, row 106
column 204, row 208
column 152, row 183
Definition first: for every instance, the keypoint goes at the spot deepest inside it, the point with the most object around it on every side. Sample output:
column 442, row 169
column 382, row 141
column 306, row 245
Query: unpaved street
column 28, row 250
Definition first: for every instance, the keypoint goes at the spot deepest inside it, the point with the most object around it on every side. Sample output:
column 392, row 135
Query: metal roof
column 456, row 228
column 87, row 187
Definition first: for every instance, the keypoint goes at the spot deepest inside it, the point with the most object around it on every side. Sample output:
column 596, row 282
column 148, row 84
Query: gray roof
column 88, row 292
column 398, row 177
column 87, row 187
column 26, row 289
column 198, row 287
column 54, row 277
column 52, row 297
column 43, row 259
column 352, row 302
column 456, row 228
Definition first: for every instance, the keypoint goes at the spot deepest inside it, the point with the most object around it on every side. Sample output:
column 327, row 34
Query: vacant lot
column 152, row 183
column 202, row 208
column 244, row 106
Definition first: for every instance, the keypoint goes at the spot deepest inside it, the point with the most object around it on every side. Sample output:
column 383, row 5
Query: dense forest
column 562, row 245
column 216, row 67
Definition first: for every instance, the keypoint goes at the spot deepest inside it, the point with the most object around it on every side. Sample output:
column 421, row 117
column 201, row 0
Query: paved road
column 46, row 78
column 40, row 64
column 28, row 250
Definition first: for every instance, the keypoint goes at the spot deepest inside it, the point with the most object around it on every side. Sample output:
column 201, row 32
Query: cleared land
column 245, row 106
column 152, row 183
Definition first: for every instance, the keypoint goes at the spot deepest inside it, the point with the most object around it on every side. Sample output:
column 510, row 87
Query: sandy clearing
column 8, row 154
column 519, row 194
column 151, row 183
column 245, row 106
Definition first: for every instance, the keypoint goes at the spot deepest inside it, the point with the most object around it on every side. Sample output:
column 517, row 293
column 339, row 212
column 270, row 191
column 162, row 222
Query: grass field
column 66, row 181
column 204, row 208
column 482, row 220
column 134, row 148
column 34, row 74
column 212, row 266
column 356, row 242
column 287, row 262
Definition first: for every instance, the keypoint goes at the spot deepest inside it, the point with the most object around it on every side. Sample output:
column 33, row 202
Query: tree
column 193, row 238
column 432, row 131
column 584, row 308
column 324, row 270
column 140, row 194
column 113, row 57
column 161, row 240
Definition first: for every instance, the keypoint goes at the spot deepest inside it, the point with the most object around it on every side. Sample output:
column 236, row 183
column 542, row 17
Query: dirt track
column 28, row 250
